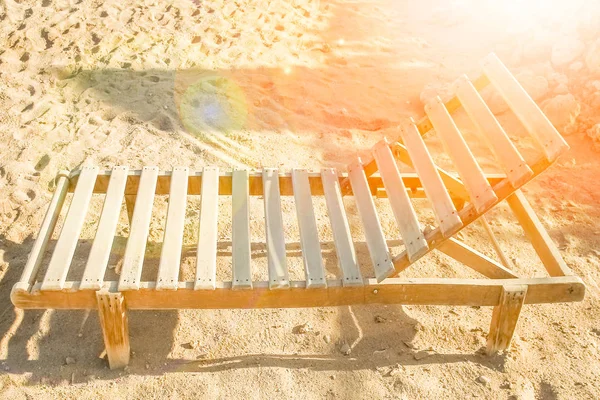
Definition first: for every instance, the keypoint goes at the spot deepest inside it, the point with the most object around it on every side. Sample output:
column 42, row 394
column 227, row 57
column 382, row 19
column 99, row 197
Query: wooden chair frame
column 504, row 291
column 501, row 288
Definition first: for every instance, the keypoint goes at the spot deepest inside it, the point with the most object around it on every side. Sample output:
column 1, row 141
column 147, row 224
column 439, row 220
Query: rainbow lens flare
column 213, row 103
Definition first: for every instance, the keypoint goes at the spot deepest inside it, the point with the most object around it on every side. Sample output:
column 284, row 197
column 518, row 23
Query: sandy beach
column 284, row 84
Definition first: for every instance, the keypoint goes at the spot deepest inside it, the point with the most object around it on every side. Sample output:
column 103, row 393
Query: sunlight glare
column 526, row 13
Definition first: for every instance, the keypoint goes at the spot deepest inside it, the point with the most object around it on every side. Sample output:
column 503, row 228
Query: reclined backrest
column 440, row 187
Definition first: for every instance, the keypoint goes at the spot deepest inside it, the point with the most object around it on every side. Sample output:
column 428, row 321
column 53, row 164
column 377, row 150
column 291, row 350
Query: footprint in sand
column 13, row 10
column 34, row 111
column 42, row 163
column 108, row 114
column 34, row 35
column 21, row 197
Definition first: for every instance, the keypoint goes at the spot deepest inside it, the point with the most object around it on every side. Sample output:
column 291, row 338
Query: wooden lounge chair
column 457, row 201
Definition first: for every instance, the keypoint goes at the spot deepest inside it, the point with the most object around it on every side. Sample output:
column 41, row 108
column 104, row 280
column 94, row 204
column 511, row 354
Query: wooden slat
column 40, row 245
column 524, row 108
column 475, row 260
column 62, row 256
column 309, row 236
column 445, row 212
column 480, row 191
column 242, row 272
column 380, row 254
column 170, row 256
column 206, row 256
column 537, row 234
column 93, row 275
column 138, row 234
column 410, row 291
column 458, row 192
column 403, row 210
column 278, row 271
column 513, row 164
column 344, row 246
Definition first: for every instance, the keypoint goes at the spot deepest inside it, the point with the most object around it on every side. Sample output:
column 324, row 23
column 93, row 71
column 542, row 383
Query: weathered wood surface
column 206, row 254
column 60, row 262
column 93, row 275
column 274, row 232
column 505, row 317
column 133, row 259
column 417, row 291
column 115, row 330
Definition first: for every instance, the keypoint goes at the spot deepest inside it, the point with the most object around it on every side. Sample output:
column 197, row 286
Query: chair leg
column 130, row 204
column 505, row 317
column 115, row 330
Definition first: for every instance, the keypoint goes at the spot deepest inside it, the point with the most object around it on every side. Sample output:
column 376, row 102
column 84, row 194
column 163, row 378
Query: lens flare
column 213, row 103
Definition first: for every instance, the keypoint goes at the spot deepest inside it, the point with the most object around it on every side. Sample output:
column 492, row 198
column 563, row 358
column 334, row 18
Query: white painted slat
column 93, row 275
column 403, row 210
column 309, row 236
column 242, row 270
column 278, row 271
column 380, row 254
column 445, row 212
column 170, row 256
column 524, row 107
column 206, row 255
column 513, row 164
column 57, row 271
column 40, row 245
column 344, row 246
column 133, row 260
column 480, row 192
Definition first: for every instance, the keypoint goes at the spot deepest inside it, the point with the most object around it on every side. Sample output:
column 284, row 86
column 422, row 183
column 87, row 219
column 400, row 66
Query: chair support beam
column 475, row 259
column 537, row 234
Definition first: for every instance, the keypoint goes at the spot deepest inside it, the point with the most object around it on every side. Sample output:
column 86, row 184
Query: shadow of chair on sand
column 58, row 346
column 43, row 342
column 221, row 110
